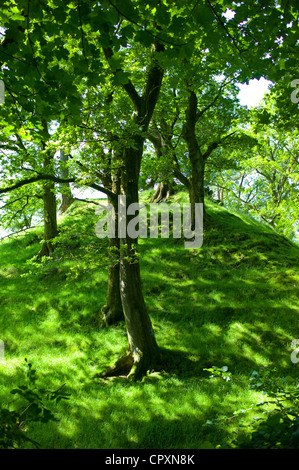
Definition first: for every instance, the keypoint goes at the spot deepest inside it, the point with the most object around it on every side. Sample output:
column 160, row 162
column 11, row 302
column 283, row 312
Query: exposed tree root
column 121, row 368
column 127, row 367
column 162, row 193
column 46, row 250
column 111, row 316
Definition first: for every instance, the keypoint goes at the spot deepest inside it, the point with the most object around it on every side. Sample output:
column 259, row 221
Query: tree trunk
column 143, row 351
column 66, row 193
column 162, row 193
column 50, row 213
column 143, row 347
column 164, row 189
column 197, row 159
column 196, row 188
column 50, row 220
column 112, row 312
column 66, row 201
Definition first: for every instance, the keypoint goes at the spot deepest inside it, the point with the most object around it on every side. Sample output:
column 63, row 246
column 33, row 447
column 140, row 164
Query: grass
column 233, row 302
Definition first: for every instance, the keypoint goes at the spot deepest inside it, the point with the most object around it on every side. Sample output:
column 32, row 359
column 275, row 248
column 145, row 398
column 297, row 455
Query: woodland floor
column 233, row 303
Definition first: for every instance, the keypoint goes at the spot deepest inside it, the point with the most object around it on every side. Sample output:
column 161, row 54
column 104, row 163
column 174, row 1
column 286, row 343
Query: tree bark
column 143, row 352
column 164, row 189
column 50, row 219
column 50, row 212
column 196, row 188
column 112, row 312
column 143, row 347
column 197, row 159
column 162, row 193
column 66, row 193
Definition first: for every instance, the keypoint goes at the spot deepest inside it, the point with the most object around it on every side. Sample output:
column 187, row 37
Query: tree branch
column 214, row 145
column 56, row 179
column 222, row 24
column 200, row 113
column 128, row 87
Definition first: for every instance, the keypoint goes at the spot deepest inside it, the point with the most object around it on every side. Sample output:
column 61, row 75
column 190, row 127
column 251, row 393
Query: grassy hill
column 233, row 303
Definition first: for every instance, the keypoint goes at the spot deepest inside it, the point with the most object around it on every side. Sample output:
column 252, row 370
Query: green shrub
column 279, row 428
column 31, row 404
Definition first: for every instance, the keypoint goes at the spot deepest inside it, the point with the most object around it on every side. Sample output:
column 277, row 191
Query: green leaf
column 274, row 420
column 204, row 15
column 282, row 64
column 115, row 63
column 144, row 38
column 162, row 15
column 120, row 78
column 126, row 9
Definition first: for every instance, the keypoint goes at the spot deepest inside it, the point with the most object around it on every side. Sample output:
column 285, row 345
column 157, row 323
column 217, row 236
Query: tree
column 266, row 183
column 197, row 123
column 66, row 193
column 28, row 153
column 53, row 53
column 143, row 347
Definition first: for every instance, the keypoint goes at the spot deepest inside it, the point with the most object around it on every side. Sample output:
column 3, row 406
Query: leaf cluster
column 279, row 426
column 32, row 404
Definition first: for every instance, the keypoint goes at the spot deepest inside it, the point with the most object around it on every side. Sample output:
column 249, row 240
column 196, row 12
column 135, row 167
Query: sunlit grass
column 233, row 302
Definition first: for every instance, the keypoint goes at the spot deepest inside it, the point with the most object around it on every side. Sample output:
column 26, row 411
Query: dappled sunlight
column 230, row 303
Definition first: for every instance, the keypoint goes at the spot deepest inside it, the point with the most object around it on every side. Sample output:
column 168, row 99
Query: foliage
column 32, row 404
column 276, row 425
column 265, row 180
column 219, row 372
column 84, row 77
column 278, row 428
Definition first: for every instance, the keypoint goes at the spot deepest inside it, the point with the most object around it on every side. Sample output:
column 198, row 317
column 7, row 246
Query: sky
column 250, row 95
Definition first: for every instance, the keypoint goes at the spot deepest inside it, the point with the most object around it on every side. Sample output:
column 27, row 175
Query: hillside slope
column 233, row 303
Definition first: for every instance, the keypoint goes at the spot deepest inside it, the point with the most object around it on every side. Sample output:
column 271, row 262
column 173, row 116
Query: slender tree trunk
column 66, row 193
column 196, row 188
column 112, row 312
column 197, row 159
column 50, row 219
column 143, row 351
column 50, row 212
column 164, row 189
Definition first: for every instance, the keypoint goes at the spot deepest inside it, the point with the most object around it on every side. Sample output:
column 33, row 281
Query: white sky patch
column 87, row 193
column 229, row 14
column 251, row 95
